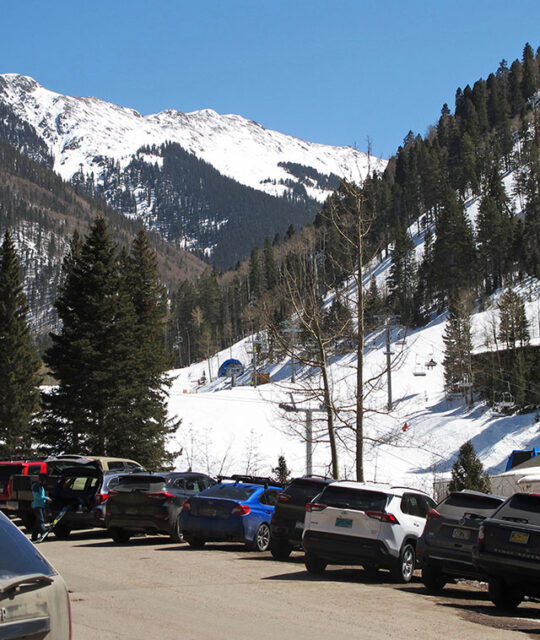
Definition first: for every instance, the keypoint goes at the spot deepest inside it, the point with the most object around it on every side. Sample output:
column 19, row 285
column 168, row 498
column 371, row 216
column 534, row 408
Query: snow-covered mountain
column 79, row 132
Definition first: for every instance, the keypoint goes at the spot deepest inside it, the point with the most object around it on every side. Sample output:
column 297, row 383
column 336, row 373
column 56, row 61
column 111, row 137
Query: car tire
column 120, row 536
column 503, row 595
column 280, row 550
column 62, row 531
column 176, row 533
column 433, row 579
column 261, row 541
column 195, row 542
column 403, row 571
column 314, row 565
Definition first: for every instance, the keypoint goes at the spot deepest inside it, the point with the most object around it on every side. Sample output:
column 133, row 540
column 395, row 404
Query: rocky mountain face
column 214, row 184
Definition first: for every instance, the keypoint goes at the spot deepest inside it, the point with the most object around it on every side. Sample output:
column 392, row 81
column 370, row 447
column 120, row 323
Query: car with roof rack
column 287, row 524
column 369, row 524
column 237, row 508
column 444, row 551
column 508, row 550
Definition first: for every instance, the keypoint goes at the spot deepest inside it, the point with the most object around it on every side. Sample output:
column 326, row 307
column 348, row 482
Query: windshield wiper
column 19, row 581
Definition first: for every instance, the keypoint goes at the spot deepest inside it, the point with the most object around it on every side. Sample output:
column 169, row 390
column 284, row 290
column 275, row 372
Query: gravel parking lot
column 151, row 589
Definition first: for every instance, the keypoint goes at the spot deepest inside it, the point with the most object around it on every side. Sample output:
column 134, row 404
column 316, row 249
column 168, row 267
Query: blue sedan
column 237, row 511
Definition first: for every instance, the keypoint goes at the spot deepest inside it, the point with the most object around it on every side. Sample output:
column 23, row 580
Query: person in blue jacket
column 38, row 506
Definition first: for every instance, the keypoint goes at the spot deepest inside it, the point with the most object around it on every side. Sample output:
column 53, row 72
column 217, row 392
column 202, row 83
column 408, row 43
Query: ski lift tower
column 389, row 322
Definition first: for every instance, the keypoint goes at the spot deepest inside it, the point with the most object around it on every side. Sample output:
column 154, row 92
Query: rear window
column 141, row 483
column 232, row 491
column 6, row 471
column 360, row 500
column 19, row 556
column 303, row 491
column 461, row 503
column 522, row 507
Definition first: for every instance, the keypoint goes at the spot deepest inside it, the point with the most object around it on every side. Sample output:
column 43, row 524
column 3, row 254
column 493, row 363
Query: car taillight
column 382, row 516
column 315, row 506
column 283, row 497
column 432, row 514
column 241, row 510
column 186, row 506
column 101, row 498
column 481, row 537
column 160, row 495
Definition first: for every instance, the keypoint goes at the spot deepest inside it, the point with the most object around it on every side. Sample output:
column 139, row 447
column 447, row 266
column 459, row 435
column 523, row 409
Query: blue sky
column 331, row 71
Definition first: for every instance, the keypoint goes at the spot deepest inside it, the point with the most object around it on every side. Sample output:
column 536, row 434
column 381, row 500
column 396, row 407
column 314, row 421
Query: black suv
column 287, row 522
column 508, row 550
column 444, row 550
column 150, row 503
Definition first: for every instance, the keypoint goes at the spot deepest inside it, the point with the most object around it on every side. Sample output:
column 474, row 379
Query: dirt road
column 151, row 589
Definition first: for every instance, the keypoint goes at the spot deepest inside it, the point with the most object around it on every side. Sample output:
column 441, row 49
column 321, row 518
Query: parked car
column 508, row 550
column 373, row 525
column 444, row 551
column 34, row 601
column 10, row 468
column 110, row 480
column 150, row 503
column 73, row 481
column 236, row 509
column 287, row 524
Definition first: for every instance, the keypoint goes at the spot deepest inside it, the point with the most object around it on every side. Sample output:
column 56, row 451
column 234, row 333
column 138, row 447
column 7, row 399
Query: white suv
column 373, row 525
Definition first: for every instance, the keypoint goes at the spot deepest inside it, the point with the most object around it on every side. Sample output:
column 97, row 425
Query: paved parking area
column 151, row 589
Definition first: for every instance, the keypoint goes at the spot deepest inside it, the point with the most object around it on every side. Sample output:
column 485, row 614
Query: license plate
column 210, row 512
column 299, row 525
column 461, row 534
column 519, row 537
column 346, row 523
column 131, row 512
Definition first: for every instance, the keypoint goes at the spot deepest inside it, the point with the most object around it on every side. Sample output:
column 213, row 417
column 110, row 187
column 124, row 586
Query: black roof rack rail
column 250, row 479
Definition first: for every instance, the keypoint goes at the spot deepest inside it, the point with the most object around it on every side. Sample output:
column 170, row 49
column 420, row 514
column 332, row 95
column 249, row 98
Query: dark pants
column 39, row 522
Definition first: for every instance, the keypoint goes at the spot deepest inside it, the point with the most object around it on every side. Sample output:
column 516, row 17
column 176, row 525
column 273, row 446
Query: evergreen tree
column 271, row 272
column 282, row 472
column 256, row 275
column 468, row 471
column 19, row 363
column 146, row 412
column 92, row 358
column 402, row 279
column 513, row 323
column 529, row 82
column 457, row 340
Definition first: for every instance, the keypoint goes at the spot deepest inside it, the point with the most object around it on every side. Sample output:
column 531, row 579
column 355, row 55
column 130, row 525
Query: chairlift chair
column 419, row 369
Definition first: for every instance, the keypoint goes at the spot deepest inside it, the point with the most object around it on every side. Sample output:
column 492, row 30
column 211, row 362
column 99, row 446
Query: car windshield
column 357, row 499
column 18, row 555
column 231, row 491
column 521, row 507
column 141, row 483
column 468, row 503
column 303, row 491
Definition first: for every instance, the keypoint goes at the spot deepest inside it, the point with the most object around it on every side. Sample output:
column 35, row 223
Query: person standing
column 38, row 506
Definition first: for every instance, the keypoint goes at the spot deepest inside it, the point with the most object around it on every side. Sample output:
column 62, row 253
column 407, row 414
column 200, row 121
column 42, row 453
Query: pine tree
column 19, row 362
column 402, row 279
column 513, row 323
column 92, row 357
column 146, row 412
column 457, row 339
column 468, row 471
column 282, row 472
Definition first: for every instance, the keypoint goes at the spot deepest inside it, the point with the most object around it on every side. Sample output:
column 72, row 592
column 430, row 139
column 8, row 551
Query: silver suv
column 34, row 601
column 368, row 524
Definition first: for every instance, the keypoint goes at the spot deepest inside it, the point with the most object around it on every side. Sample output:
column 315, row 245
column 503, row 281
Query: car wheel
column 120, row 536
column 280, row 549
column 433, row 579
column 403, row 571
column 261, row 541
column 314, row 564
column 195, row 542
column 61, row 531
column 176, row 533
column 503, row 595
